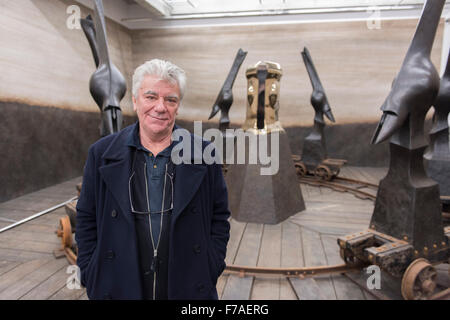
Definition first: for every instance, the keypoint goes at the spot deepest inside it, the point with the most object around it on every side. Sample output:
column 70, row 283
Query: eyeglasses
column 137, row 207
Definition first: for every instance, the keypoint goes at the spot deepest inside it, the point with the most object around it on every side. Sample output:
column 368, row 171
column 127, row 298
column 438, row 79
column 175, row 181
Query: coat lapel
column 188, row 178
column 115, row 173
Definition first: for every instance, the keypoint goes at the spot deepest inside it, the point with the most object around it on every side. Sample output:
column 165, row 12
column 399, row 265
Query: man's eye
column 151, row 98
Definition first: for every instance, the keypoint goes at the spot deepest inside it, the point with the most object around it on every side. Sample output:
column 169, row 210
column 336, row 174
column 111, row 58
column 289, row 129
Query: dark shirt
column 156, row 169
column 152, row 229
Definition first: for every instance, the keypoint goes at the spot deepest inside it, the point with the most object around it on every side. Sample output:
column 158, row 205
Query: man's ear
column 134, row 102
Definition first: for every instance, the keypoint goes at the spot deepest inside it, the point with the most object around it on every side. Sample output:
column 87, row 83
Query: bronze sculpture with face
column 254, row 197
column 262, row 111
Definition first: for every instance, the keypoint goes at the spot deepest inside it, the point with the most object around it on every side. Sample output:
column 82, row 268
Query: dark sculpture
column 406, row 233
column 408, row 205
column 314, row 147
column 89, row 30
column 225, row 98
column 107, row 84
column 438, row 155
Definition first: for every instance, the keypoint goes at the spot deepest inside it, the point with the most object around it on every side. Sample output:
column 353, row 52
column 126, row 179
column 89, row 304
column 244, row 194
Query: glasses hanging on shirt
column 138, row 190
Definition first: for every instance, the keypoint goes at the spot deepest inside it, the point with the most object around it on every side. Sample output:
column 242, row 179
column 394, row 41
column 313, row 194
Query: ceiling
column 143, row 14
column 199, row 8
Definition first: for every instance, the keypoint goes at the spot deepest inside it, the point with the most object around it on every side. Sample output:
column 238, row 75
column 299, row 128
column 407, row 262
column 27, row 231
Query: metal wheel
column 301, row 169
column 79, row 188
column 65, row 232
column 349, row 258
column 71, row 256
column 337, row 172
column 419, row 280
column 323, row 172
column 72, row 218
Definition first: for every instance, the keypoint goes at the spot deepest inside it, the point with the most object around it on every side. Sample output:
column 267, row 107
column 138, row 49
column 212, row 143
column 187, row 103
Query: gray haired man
column 147, row 228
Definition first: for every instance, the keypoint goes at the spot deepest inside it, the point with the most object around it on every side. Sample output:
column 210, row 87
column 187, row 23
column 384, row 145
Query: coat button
column 200, row 287
column 197, row 248
column 194, row 209
column 110, row 255
column 114, row 213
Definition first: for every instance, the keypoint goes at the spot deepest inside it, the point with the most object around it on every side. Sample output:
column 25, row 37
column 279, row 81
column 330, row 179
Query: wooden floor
column 29, row 270
column 305, row 239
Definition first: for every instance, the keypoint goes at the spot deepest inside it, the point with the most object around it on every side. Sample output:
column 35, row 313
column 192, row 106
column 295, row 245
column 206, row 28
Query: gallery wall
column 49, row 118
column 356, row 64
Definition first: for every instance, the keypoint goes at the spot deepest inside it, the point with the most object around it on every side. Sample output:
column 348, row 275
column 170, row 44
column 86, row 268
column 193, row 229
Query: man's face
column 157, row 104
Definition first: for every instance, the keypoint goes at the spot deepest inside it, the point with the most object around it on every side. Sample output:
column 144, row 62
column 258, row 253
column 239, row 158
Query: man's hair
column 165, row 70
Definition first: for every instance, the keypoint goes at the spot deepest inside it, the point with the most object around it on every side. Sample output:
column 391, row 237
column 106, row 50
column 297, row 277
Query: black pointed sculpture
column 408, row 205
column 107, row 85
column 225, row 98
column 89, row 30
column 406, row 232
column 314, row 158
column 314, row 146
column 438, row 155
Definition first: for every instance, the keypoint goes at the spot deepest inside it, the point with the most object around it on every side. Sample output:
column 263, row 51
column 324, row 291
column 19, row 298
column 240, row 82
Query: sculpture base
column 314, row 151
column 439, row 171
column 408, row 203
column 264, row 198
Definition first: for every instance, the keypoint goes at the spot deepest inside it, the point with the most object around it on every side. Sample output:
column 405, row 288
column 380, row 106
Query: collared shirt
column 156, row 170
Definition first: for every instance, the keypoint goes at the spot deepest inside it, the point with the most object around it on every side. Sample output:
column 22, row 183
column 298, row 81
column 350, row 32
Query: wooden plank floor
column 308, row 238
column 29, row 270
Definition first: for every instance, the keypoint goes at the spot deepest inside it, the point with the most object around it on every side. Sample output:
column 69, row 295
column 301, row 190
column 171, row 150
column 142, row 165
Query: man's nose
column 159, row 106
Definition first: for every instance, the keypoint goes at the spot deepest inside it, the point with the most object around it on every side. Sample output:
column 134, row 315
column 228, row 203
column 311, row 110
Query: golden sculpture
column 271, row 98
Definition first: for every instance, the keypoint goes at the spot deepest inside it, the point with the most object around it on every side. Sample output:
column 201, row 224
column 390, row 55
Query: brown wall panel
column 43, row 146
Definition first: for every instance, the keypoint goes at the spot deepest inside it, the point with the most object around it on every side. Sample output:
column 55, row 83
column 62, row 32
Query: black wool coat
column 106, row 232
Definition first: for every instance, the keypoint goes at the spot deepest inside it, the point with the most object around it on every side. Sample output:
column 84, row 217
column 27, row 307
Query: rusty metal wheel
column 349, row 258
column 71, row 256
column 323, row 172
column 65, row 232
column 419, row 280
column 301, row 169
column 337, row 173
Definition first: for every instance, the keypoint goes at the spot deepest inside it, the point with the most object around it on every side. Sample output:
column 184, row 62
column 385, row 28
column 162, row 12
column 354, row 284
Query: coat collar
column 117, row 170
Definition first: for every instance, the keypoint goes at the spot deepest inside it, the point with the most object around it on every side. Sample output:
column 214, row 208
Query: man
column 147, row 228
